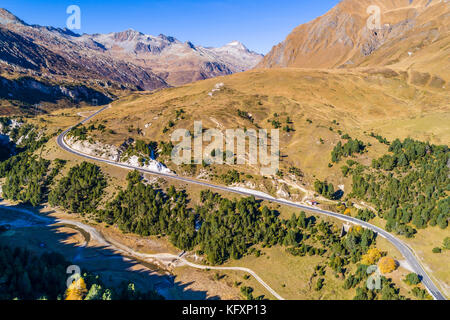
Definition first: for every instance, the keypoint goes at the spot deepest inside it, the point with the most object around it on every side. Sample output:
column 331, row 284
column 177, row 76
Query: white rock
column 112, row 153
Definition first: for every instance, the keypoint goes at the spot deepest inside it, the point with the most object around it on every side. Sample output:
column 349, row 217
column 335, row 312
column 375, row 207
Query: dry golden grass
column 291, row 276
column 436, row 264
column 360, row 101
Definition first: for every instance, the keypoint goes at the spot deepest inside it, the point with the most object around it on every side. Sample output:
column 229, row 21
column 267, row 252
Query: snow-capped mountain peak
column 236, row 44
column 157, row 51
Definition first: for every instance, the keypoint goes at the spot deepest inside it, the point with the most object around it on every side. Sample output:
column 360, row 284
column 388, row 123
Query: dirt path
column 167, row 259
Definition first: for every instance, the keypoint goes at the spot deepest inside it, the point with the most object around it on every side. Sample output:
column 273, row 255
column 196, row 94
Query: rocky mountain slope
column 128, row 58
column 174, row 61
column 52, row 54
column 412, row 34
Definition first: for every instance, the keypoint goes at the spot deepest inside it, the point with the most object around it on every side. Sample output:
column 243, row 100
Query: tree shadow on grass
column 41, row 234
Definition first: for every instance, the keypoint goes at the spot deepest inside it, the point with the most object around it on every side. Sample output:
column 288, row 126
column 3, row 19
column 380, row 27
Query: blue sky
column 259, row 24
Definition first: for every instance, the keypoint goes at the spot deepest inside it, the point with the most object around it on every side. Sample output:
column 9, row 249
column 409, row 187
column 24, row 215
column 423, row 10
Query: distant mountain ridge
column 129, row 58
column 175, row 61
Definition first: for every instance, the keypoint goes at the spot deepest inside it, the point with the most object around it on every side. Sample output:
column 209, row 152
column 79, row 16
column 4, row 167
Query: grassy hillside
column 321, row 106
column 288, row 284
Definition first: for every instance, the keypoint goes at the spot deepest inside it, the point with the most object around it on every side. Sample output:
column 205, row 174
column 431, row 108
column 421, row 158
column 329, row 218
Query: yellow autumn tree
column 371, row 257
column 387, row 265
column 348, row 212
column 355, row 229
column 77, row 290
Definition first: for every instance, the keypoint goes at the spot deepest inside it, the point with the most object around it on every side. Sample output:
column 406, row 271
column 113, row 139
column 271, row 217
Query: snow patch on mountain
column 234, row 55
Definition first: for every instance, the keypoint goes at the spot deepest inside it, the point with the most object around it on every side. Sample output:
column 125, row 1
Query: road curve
column 407, row 253
column 261, row 281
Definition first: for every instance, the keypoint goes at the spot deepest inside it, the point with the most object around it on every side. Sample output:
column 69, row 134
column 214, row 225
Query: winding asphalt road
column 407, row 253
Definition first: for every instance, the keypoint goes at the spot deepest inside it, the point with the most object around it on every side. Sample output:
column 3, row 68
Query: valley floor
column 76, row 239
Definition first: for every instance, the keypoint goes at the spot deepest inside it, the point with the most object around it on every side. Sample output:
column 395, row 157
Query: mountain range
column 174, row 61
column 412, row 40
column 129, row 58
